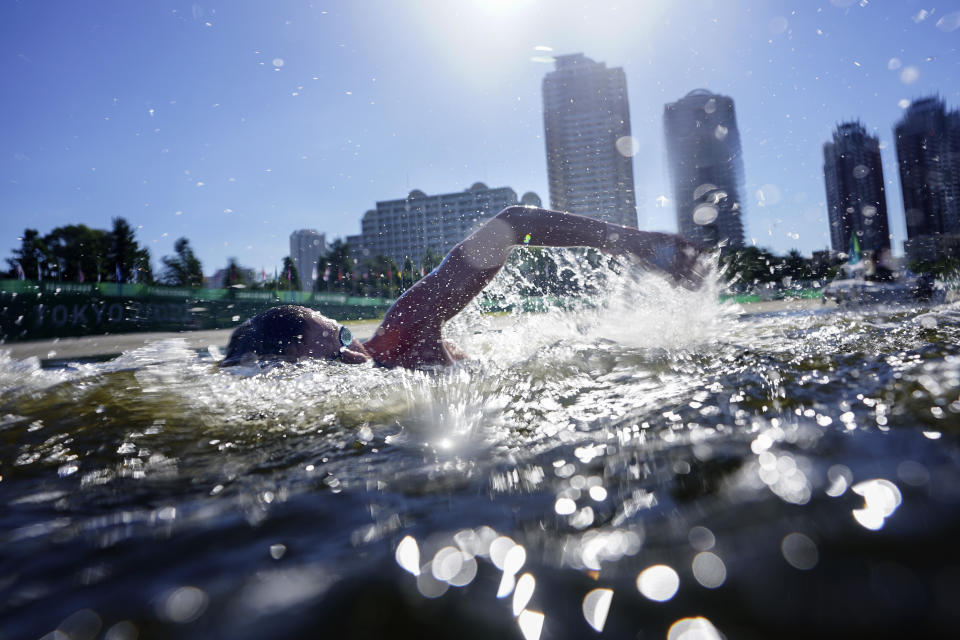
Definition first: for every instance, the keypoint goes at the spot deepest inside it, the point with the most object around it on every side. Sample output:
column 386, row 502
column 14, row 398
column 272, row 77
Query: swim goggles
column 346, row 337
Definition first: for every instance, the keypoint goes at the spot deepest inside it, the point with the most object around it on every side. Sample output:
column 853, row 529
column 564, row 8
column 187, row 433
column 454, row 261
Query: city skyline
column 233, row 127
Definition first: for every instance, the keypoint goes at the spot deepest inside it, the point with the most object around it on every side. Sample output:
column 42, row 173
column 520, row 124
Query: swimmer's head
column 289, row 333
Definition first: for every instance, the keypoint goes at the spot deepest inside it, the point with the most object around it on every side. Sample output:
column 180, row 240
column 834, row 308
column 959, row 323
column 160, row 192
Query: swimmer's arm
column 470, row 266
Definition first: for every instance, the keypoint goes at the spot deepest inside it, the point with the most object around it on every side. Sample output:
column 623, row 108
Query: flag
column 326, row 274
column 422, row 271
column 854, row 248
column 20, row 273
column 339, row 274
column 80, row 277
column 119, row 277
column 389, row 274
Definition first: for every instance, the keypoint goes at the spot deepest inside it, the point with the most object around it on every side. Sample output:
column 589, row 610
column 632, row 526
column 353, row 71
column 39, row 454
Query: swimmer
column 410, row 334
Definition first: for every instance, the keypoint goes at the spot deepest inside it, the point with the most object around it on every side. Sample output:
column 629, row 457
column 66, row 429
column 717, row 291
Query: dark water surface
column 662, row 467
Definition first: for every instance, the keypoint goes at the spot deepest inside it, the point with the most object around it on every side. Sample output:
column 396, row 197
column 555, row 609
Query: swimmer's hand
column 682, row 261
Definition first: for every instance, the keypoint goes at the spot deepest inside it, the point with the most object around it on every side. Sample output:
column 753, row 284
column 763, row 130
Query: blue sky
column 234, row 123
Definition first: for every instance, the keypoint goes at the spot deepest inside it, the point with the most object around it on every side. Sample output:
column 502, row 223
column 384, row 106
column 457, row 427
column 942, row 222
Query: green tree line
column 78, row 253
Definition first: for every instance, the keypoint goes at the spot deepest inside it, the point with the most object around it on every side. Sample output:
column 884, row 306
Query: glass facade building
column 928, row 157
column 590, row 150
column 856, row 199
column 706, row 167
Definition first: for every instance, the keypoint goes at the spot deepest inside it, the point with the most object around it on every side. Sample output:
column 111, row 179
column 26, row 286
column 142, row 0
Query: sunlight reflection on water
column 650, row 442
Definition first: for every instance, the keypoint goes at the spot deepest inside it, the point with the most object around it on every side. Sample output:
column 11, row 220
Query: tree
column 79, row 251
column 340, row 263
column 383, row 273
column 235, row 275
column 183, row 269
column 289, row 276
column 430, row 260
column 143, row 271
column 407, row 269
column 796, row 266
column 124, row 255
column 751, row 265
column 32, row 256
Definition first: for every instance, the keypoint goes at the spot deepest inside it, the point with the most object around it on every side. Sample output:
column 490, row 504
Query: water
column 656, row 465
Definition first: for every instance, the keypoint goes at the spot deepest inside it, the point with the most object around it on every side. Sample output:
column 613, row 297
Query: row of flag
column 21, row 274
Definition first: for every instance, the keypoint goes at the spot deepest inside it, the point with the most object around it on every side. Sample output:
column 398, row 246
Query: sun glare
column 500, row 6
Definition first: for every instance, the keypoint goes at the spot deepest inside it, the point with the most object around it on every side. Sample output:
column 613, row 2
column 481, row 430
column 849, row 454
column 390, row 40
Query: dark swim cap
column 270, row 333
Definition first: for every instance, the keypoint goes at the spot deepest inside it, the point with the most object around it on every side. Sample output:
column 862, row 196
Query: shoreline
column 58, row 351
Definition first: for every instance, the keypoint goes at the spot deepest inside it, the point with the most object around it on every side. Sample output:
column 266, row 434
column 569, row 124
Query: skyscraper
column 703, row 152
column 856, row 201
column 306, row 247
column 928, row 154
column 586, row 121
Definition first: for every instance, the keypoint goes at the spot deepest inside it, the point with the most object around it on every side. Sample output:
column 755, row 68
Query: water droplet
column 183, row 605
column 596, row 606
column 894, row 63
column 949, row 22
column 123, row 630
column 709, row 569
column 531, row 624
column 81, row 625
column 799, row 551
column 408, row 555
column 658, row 582
column 523, row 592
column 627, row 146
column 564, row 506
column 705, row 214
column 694, row 628
column 701, row 538
column 881, row 498
column 468, row 571
column 447, row 563
column 909, row 75
column 277, row 551
column 598, row 494
column 428, row 586
column 514, row 560
column 499, row 549
column 768, row 194
column 278, row 62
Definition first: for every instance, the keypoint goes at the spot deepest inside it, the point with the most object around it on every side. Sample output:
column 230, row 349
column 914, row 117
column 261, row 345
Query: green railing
column 32, row 310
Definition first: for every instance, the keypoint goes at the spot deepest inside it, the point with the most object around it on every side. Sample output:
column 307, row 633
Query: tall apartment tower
column 856, row 200
column 706, row 167
column 586, row 121
column 928, row 154
column 306, row 248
